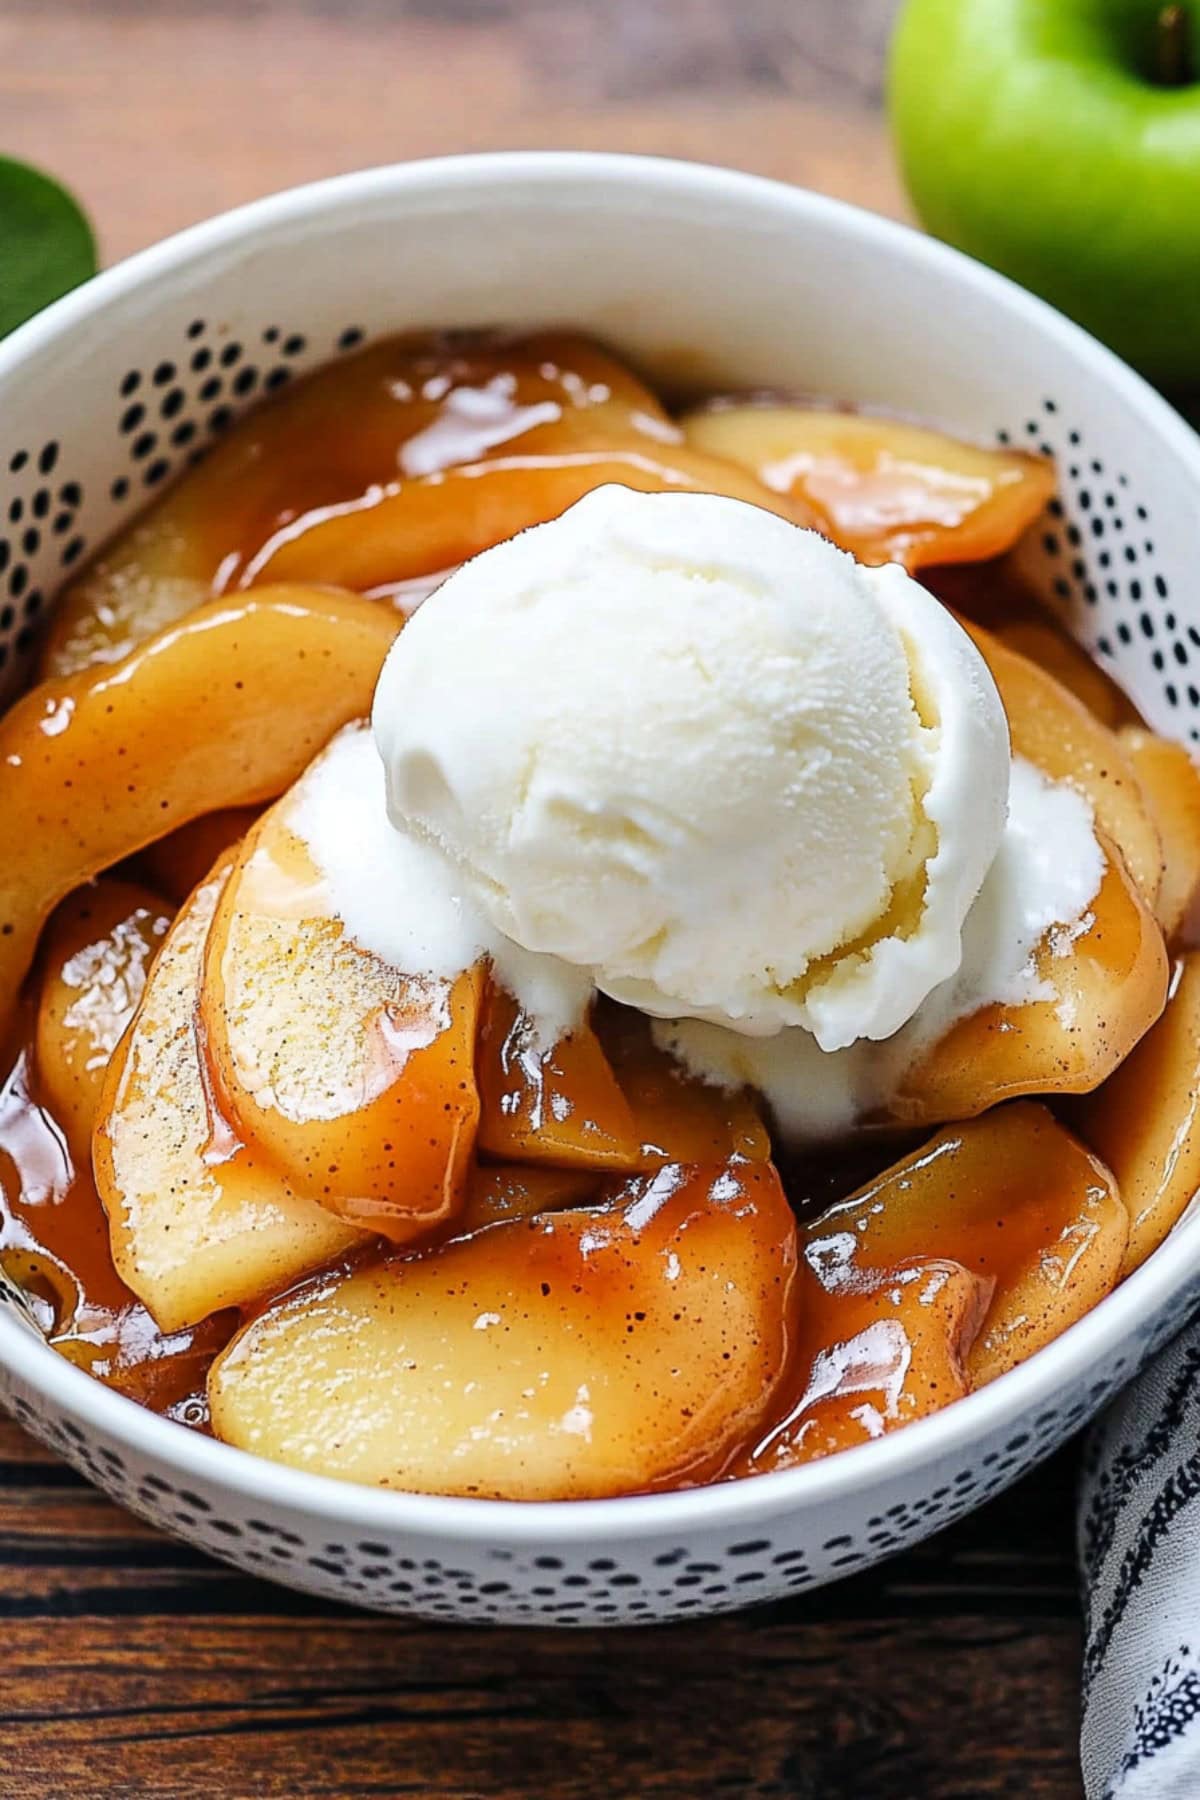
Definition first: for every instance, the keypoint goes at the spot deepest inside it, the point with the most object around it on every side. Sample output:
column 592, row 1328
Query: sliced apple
column 1022, row 1232
column 1108, row 980
column 1052, row 649
column 678, row 1118
column 224, row 709
column 466, row 509
column 498, row 1193
column 1014, row 1198
column 1171, row 788
column 1056, row 732
column 353, row 1079
column 560, row 1106
column 95, row 955
column 394, row 464
column 54, row 1244
column 604, row 1098
column 321, row 443
column 574, row 1355
column 883, row 489
column 890, row 1350
column 193, row 1229
column 1108, row 977
column 177, row 863
column 1145, row 1121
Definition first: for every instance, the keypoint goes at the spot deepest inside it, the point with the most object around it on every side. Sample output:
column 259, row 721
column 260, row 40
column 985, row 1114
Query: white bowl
column 723, row 279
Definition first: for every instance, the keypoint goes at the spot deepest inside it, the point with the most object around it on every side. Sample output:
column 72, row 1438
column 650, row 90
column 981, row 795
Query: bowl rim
column 1010, row 1400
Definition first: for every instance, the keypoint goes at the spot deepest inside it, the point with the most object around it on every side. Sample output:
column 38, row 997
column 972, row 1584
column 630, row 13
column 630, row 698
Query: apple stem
column 1174, row 64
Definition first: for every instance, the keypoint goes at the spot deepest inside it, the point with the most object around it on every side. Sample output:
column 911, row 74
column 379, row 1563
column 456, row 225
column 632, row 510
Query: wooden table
column 132, row 1666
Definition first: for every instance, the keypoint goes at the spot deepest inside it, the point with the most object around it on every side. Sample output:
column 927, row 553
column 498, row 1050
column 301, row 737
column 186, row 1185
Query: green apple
column 1059, row 140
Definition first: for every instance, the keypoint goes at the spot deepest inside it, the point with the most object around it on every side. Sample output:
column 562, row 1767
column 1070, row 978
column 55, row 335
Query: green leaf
column 46, row 243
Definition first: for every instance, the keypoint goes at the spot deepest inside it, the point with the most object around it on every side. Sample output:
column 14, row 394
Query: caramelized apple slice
column 1107, row 980
column 1014, row 1198
column 95, row 955
column 1171, row 789
column 224, row 709
column 883, row 489
column 678, row 1118
column 467, row 508
column 560, row 1106
column 389, row 428
column 574, row 1355
column 355, row 1080
column 193, row 1229
column 326, row 441
column 54, row 1244
column 1145, row 1120
column 1025, row 1233
column 501, row 1192
column 177, row 863
column 890, row 1349
column 1043, row 643
column 1056, row 732
column 604, row 1098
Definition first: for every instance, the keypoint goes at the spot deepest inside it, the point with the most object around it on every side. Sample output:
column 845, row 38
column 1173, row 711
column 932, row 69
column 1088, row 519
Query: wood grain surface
column 133, row 1666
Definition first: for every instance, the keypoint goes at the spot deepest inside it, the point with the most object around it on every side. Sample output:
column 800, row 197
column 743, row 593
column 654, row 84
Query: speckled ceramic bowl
column 726, row 279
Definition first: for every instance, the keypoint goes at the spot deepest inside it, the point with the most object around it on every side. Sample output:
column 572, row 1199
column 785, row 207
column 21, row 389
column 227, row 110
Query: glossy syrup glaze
column 915, row 1268
column 950, row 1266
column 54, row 1246
column 910, row 1292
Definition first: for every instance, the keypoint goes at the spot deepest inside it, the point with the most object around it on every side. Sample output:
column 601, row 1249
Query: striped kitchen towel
column 1139, row 1548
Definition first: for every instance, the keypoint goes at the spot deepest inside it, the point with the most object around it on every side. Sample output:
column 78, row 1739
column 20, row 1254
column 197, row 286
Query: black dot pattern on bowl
column 38, row 511
column 188, row 398
column 1096, row 558
column 166, row 411
column 574, row 1585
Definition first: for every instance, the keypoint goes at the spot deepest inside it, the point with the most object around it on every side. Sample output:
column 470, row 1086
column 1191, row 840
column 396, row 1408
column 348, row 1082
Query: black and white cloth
column 1139, row 1548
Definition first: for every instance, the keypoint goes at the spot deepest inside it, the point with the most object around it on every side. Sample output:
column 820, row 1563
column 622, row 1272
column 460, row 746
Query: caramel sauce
column 872, row 1354
column 404, row 410
column 603, row 1098
column 563, row 1105
column 383, row 471
column 950, row 1266
column 947, row 1259
column 677, row 1118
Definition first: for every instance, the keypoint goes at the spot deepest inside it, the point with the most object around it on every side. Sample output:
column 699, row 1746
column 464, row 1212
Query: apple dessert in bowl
column 559, row 946
column 562, row 809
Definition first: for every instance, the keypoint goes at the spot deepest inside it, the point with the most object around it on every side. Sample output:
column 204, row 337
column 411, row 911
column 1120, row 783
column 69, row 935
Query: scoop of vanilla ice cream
column 704, row 755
